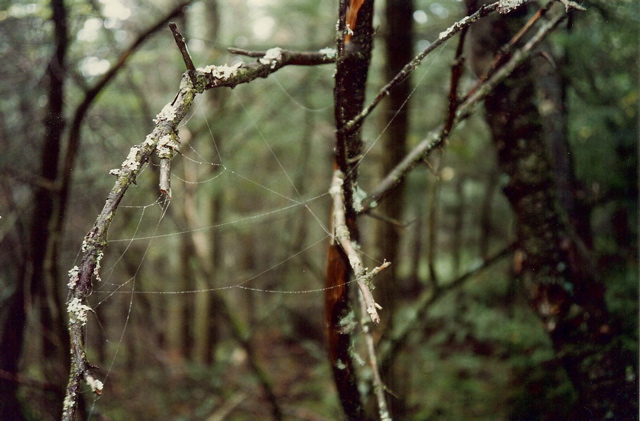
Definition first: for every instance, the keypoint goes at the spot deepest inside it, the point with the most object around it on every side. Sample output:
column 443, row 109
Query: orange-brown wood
column 352, row 16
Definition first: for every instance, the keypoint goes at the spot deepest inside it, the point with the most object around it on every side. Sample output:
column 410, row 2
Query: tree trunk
column 10, row 351
column 40, row 277
column 551, row 88
column 349, row 93
column 551, row 263
column 398, row 38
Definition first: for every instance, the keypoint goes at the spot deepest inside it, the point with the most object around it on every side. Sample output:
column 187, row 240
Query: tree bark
column 352, row 67
column 551, row 89
column 551, row 262
column 40, row 273
column 398, row 38
column 10, row 352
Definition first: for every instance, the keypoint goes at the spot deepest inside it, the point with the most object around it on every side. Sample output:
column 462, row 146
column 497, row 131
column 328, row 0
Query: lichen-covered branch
column 363, row 278
column 162, row 140
column 298, row 58
column 378, row 385
column 341, row 233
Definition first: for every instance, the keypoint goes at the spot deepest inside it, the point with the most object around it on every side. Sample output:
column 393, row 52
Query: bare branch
column 298, row 58
column 436, row 138
column 182, row 46
column 568, row 4
column 378, row 386
column 413, row 64
column 341, row 233
column 518, row 57
column 456, row 74
column 390, row 344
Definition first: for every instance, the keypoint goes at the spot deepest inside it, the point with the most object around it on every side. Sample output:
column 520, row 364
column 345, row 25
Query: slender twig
column 568, row 4
column 298, row 58
column 413, row 64
column 518, row 57
column 341, row 233
column 74, row 137
column 390, row 344
column 456, row 75
column 182, row 46
column 436, row 138
column 505, row 51
column 167, row 152
column 378, row 386
column 391, row 221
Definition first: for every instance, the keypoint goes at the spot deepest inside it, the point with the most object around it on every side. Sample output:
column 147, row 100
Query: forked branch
column 413, row 64
column 162, row 140
column 363, row 276
column 436, row 138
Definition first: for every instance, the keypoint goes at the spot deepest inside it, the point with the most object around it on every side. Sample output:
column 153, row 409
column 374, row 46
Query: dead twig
column 436, row 138
column 355, row 123
column 363, row 276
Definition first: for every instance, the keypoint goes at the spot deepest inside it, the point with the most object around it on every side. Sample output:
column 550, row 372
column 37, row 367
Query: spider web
column 256, row 186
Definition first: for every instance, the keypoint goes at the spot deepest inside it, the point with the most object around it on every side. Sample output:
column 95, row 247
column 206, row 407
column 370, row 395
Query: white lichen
column 148, row 141
column 221, row 72
column 456, row 26
column 115, row 172
column 272, row 56
column 95, row 384
column 342, row 231
column 131, row 163
column 74, row 276
column 167, row 144
column 77, row 311
column 168, row 113
column 69, row 402
column 329, row 52
column 358, row 359
column 507, row 6
column 96, row 270
column 358, row 196
column 336, row 187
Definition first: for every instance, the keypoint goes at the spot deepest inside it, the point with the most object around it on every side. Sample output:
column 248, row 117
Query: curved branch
column 161, row 140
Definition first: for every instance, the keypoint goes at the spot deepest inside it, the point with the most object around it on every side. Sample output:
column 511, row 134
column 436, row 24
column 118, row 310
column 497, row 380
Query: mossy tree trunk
column 551, row 261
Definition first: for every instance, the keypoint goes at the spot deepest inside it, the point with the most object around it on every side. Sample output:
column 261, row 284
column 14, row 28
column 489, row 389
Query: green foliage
column 602, row 73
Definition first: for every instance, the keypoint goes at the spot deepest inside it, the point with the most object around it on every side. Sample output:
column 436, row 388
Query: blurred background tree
column 480, row 352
